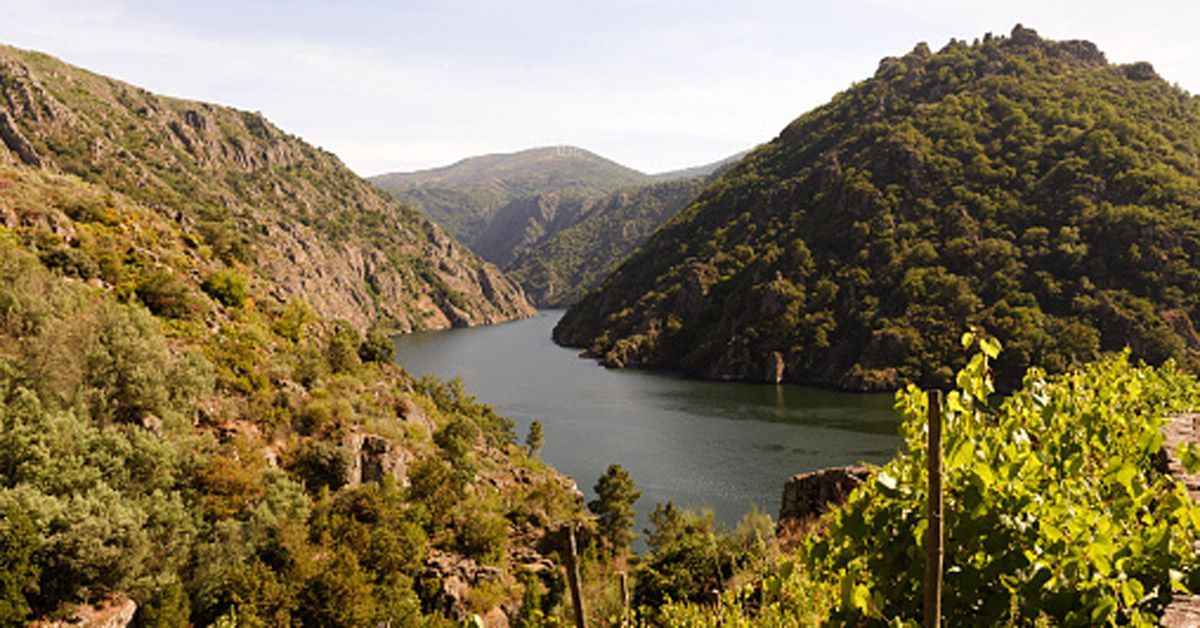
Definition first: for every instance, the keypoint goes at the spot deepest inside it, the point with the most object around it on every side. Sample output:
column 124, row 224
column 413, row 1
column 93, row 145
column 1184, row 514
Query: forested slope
column 1018, row 184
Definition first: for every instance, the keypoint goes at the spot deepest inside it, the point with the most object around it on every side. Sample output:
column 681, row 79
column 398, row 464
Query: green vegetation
column 226, row 286
column 1057, row 511
column 1020, row 185
column 613, row 507
column 172, row 432
column 565, row 264
column 535, row 439
column 130, row 465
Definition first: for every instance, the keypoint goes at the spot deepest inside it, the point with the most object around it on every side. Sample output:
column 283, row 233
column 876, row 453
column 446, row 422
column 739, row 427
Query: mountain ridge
column 464, row 196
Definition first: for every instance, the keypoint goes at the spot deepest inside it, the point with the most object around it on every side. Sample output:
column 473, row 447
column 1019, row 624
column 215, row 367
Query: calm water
column 701, row 444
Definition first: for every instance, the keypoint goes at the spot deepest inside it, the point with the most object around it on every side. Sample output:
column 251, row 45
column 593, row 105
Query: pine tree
column 535, row 439
column 613, row 506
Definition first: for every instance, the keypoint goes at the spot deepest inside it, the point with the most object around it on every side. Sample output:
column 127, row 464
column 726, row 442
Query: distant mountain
column 699, row 171
column 1021, row 185
column 511, row 209
column 565, row 265
column 465, row 196
column 254, row 193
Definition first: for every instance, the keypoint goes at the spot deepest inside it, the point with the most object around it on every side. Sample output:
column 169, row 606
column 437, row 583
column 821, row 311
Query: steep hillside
column 253, row 194
column 529, row 220
column 463, row 197
column 1018, row 184
column 181, row 446
column 184, row 438
column 566, row 264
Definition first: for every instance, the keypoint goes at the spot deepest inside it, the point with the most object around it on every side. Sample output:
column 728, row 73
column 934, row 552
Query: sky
column 654, row 84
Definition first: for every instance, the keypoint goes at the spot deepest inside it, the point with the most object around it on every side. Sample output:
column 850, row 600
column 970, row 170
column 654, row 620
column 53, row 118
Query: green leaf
column 990, row 347
column 1189, row 456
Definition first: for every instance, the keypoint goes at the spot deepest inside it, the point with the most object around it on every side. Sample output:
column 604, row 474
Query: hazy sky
column 654, row 84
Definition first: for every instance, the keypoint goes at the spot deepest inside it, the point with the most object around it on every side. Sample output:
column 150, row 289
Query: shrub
column 341, row 352
column 226, row 286
column 321, row 464
column 19, row 572
column 377, row 347
column 167, row 295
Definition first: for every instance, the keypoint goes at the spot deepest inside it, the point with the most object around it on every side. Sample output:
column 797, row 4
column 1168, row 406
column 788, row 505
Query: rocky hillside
column 252, row 193
column 528, row 221
column 1017, row 184
column 185, row 439
column 563, row 265
column 465, row 196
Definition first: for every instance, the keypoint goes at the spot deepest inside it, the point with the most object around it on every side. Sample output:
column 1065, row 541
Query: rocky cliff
column 254, row 193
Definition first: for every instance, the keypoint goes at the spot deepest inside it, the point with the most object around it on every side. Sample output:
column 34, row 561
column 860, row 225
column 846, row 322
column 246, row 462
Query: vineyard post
column 573, row 577
column 624, row 599
column 933, row 541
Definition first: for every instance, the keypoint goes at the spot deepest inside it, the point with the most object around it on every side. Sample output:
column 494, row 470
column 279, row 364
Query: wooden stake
column 624, row 599
column 933, row 534
column 573, row 578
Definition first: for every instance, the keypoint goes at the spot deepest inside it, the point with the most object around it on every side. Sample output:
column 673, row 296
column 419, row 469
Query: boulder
column 374, row 457
column 453, row 577
column 113, row 613
column 807, row 496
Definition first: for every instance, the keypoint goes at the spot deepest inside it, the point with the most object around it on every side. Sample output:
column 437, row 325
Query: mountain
column 187, row 438
column 463, row 197
column 529, row 220
column 511, row 209
column 566, row 264
column 699, row 171
column 253, row 193
column 1024, row 186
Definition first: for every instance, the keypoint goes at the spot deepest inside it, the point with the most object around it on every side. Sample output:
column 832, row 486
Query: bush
column 1055, row 505
column 481, row 531
column 377, row 347
column 340, row 594
column 167, row 295
column 321, row 464
column 226, row 286
column 19, row 572
column 342, row 350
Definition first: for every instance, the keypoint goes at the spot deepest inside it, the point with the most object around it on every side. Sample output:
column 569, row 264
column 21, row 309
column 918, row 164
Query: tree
column 535, row 439
column 377, row 346
column 342, row 350
column 613, row 507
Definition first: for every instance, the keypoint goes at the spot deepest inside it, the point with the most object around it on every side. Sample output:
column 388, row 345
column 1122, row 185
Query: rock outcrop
column 807, row 496
column 372, row 458
column 114, row 613
column 452, row 577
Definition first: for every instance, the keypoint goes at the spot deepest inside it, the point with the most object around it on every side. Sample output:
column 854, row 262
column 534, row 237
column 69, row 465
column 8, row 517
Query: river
column 725, row 446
